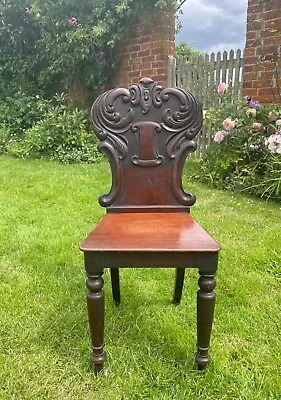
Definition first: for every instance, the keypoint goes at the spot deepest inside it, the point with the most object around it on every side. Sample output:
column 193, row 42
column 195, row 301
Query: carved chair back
column 146, row 132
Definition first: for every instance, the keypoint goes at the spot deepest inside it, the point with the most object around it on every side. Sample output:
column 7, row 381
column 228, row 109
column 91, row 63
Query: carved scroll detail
column 180, row 121
column 184, row 123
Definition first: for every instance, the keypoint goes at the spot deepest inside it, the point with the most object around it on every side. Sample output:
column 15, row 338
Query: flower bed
column 245, row 153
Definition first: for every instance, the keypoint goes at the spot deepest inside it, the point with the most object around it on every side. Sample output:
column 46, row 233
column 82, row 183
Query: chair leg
column 95, row 301
column 178, row 285
column 205, row 312
column 115, row 284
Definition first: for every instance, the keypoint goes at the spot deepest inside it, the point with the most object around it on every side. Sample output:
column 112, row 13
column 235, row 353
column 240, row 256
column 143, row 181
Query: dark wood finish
column 115, row 284
column 162, row 232
column 178, row 285
column 146, row 132
column 205, row 312
column 95, row 302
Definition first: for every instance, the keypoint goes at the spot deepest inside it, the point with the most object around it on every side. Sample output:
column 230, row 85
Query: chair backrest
column 146, row 132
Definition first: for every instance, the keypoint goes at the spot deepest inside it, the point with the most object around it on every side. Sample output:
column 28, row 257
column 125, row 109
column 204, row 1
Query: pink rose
column 228, row 124
column 219, row 136
column 222, row 88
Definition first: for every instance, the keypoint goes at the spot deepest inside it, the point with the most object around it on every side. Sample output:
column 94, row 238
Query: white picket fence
column 201, row 76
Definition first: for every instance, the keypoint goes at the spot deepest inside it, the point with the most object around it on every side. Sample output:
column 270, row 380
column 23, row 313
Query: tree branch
column 181, row 3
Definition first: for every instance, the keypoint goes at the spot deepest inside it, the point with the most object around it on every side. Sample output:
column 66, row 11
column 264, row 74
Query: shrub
column 17, row 114
column 62, row 135
column 245, row 154
column 68, row 43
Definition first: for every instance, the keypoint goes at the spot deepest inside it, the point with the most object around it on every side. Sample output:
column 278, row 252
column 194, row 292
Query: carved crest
column 146, row 110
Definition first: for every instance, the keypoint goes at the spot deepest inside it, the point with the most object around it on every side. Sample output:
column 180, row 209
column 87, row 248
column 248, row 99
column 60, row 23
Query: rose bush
column 245, row 153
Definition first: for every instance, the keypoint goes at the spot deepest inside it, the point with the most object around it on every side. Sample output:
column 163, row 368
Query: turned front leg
column 205, row 312
column 95, row 301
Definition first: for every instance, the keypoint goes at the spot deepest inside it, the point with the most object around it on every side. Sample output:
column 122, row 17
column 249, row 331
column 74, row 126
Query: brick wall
column 263, row 51
column 144, row 50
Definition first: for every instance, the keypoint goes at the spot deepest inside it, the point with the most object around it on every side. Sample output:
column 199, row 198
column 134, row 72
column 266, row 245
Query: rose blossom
column 256, row 126
column 222, row 88
column 219, row 136
column 274, row 143
column 251, row 112
column 228, row 124
column 273, row 115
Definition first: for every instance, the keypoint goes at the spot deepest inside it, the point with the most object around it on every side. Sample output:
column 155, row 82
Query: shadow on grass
column 145, row 325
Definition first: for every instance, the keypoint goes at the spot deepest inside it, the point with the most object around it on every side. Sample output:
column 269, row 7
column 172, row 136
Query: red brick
column 251, row 35
column 148, row 58
column 146, row 66
column 254, row 92
column 271, row 14
column 144, row 39
column 156, row 37
column 255, row 9
column 144, row 53
column 133, row 74
column 134, row 48
column 260, row 83
column 265, row 99
column 269, row 91
column 160, row 71
column 127, row 69
column 268, row 33
column 270, row 49
column 147, row 72
column 254, row 26
column 251, row 92
column 248, row 68
column 158, row 64
column 146, row 46
column 159, row 77
column 272, row 5
column 248, row 76
column 276, row 40
column 248, row 85
column 252, row 17
column 250, row 51
column 266, row 66
column 274, row 24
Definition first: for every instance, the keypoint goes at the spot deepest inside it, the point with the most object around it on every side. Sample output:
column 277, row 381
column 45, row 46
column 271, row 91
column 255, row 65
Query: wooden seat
column 140, row 232
column 146, row 132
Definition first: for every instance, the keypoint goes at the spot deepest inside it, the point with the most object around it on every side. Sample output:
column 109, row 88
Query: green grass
column 46, row 211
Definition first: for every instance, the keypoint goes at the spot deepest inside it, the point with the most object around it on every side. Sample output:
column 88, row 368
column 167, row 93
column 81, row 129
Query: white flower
column 274, row 143
column 278, row 122
column 251, row 112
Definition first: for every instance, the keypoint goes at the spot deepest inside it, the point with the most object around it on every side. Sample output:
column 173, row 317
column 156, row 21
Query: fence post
column 171, row 71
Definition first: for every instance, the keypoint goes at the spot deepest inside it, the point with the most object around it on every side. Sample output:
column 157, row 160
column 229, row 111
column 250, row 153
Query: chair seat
column 155, row 232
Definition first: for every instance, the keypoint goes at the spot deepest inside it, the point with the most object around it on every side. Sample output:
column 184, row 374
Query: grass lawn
column 46, row 210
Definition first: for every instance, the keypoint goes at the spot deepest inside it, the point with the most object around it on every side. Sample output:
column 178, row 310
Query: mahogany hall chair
column 146, row 132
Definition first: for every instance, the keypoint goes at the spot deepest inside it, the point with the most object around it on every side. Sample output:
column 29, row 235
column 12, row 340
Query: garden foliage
column 52, row 129
column 245, row 153
column 56, row 46
column 48, row 44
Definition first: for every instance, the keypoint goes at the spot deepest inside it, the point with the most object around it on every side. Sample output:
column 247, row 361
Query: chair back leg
column 115, row 284
column 178, row 285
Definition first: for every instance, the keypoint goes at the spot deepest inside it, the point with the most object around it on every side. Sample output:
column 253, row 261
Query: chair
column 146, row 132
